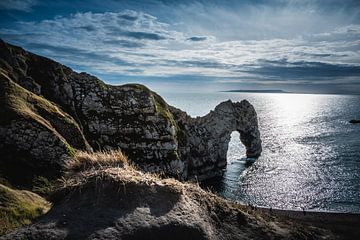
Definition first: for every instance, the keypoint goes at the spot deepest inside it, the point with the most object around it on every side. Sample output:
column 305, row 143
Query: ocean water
column 311, row 153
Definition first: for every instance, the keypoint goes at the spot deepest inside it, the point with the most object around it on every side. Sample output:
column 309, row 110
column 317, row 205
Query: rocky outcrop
column 155, row 136
column 121, row 203
column 205, row 139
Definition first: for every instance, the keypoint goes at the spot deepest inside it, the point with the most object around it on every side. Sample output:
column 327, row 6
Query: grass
column 123, row 179
column 163, row 109
column 19, row 207
column 140, row 87
column 43, row 186
column 91, row 160
column 17, row 102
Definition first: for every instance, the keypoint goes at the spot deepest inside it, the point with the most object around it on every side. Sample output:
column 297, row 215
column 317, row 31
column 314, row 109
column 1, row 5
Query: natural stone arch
column 208, row 137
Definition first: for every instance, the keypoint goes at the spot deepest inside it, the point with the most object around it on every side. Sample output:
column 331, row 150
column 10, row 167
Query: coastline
column 343, row 225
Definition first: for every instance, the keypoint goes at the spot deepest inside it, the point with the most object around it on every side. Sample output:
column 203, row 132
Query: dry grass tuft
column 97, row 160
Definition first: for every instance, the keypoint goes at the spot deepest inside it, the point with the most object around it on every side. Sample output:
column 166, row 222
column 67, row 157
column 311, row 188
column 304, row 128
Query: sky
column 309, row 46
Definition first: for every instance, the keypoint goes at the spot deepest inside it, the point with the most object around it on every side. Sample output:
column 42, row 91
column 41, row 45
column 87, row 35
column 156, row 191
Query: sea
column 311, row 153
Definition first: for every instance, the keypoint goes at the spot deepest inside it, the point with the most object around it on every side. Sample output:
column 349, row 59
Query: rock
column 354, row 121
column 155, row 136
column 36, row 137
column 121, row 203
column 206, row 138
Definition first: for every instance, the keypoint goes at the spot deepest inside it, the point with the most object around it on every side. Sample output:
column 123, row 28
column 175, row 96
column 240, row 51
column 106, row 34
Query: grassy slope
column 18, row 103
column 21, row 103
column 19, row 207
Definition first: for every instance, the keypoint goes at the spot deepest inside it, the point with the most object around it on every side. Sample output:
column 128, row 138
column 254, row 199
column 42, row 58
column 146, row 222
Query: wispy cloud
column 197, row 39
column 20, row 5
column 291, row 42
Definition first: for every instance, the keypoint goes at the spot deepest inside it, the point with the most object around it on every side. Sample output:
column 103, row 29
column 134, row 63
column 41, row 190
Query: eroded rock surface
column 155, row 136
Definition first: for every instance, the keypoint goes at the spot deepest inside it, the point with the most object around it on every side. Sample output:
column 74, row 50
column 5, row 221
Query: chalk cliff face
column 60, row 110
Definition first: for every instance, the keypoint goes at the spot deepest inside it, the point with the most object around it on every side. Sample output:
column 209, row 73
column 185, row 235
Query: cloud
column 288, row 42
column 78, row 55
column 129, row 15
column 20, row 5
column 303, row 70
column 124, row 43
column 143, row 35
column 197, row 39
column 89, row 28
column 101, row 41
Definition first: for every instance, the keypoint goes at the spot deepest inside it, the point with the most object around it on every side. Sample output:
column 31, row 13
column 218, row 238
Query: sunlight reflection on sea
column 311, row 154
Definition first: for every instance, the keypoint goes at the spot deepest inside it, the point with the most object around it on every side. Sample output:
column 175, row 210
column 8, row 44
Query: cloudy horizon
column 299, row 46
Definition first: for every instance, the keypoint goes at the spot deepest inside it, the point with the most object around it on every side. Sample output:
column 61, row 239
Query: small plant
column 43, row 186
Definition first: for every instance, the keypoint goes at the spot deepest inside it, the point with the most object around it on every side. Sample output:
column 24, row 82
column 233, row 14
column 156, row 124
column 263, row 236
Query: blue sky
column 303, row 46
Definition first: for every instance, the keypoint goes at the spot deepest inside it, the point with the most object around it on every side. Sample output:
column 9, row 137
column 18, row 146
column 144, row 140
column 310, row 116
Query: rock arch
column 207, row 137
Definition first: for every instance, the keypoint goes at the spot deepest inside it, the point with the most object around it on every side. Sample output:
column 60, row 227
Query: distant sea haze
column 311, row 153
column 258, row 91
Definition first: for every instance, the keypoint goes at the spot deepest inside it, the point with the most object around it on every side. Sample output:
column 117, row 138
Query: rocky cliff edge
column 48, row 111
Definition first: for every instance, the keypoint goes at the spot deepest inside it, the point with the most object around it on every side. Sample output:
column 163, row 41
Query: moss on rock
column 19, row 102
column 36, row 136
column 19, row 207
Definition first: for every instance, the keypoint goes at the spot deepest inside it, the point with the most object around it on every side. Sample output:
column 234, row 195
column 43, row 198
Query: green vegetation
column 173, row 155
column 18, row 103
column 43, row 186
column 19, row 207
column 181, row 136
column 71, row 150
column 141, row 87
column 163, row 109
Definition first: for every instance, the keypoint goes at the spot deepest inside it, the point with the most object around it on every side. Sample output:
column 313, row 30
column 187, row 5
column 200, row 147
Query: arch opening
column 236, row 149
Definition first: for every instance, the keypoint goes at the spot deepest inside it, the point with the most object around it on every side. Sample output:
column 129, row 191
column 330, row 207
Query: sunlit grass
column 87, row 160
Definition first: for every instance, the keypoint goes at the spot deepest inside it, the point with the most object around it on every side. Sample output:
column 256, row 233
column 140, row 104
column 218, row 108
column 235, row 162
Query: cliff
column 51, row 110
column 59, row 135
